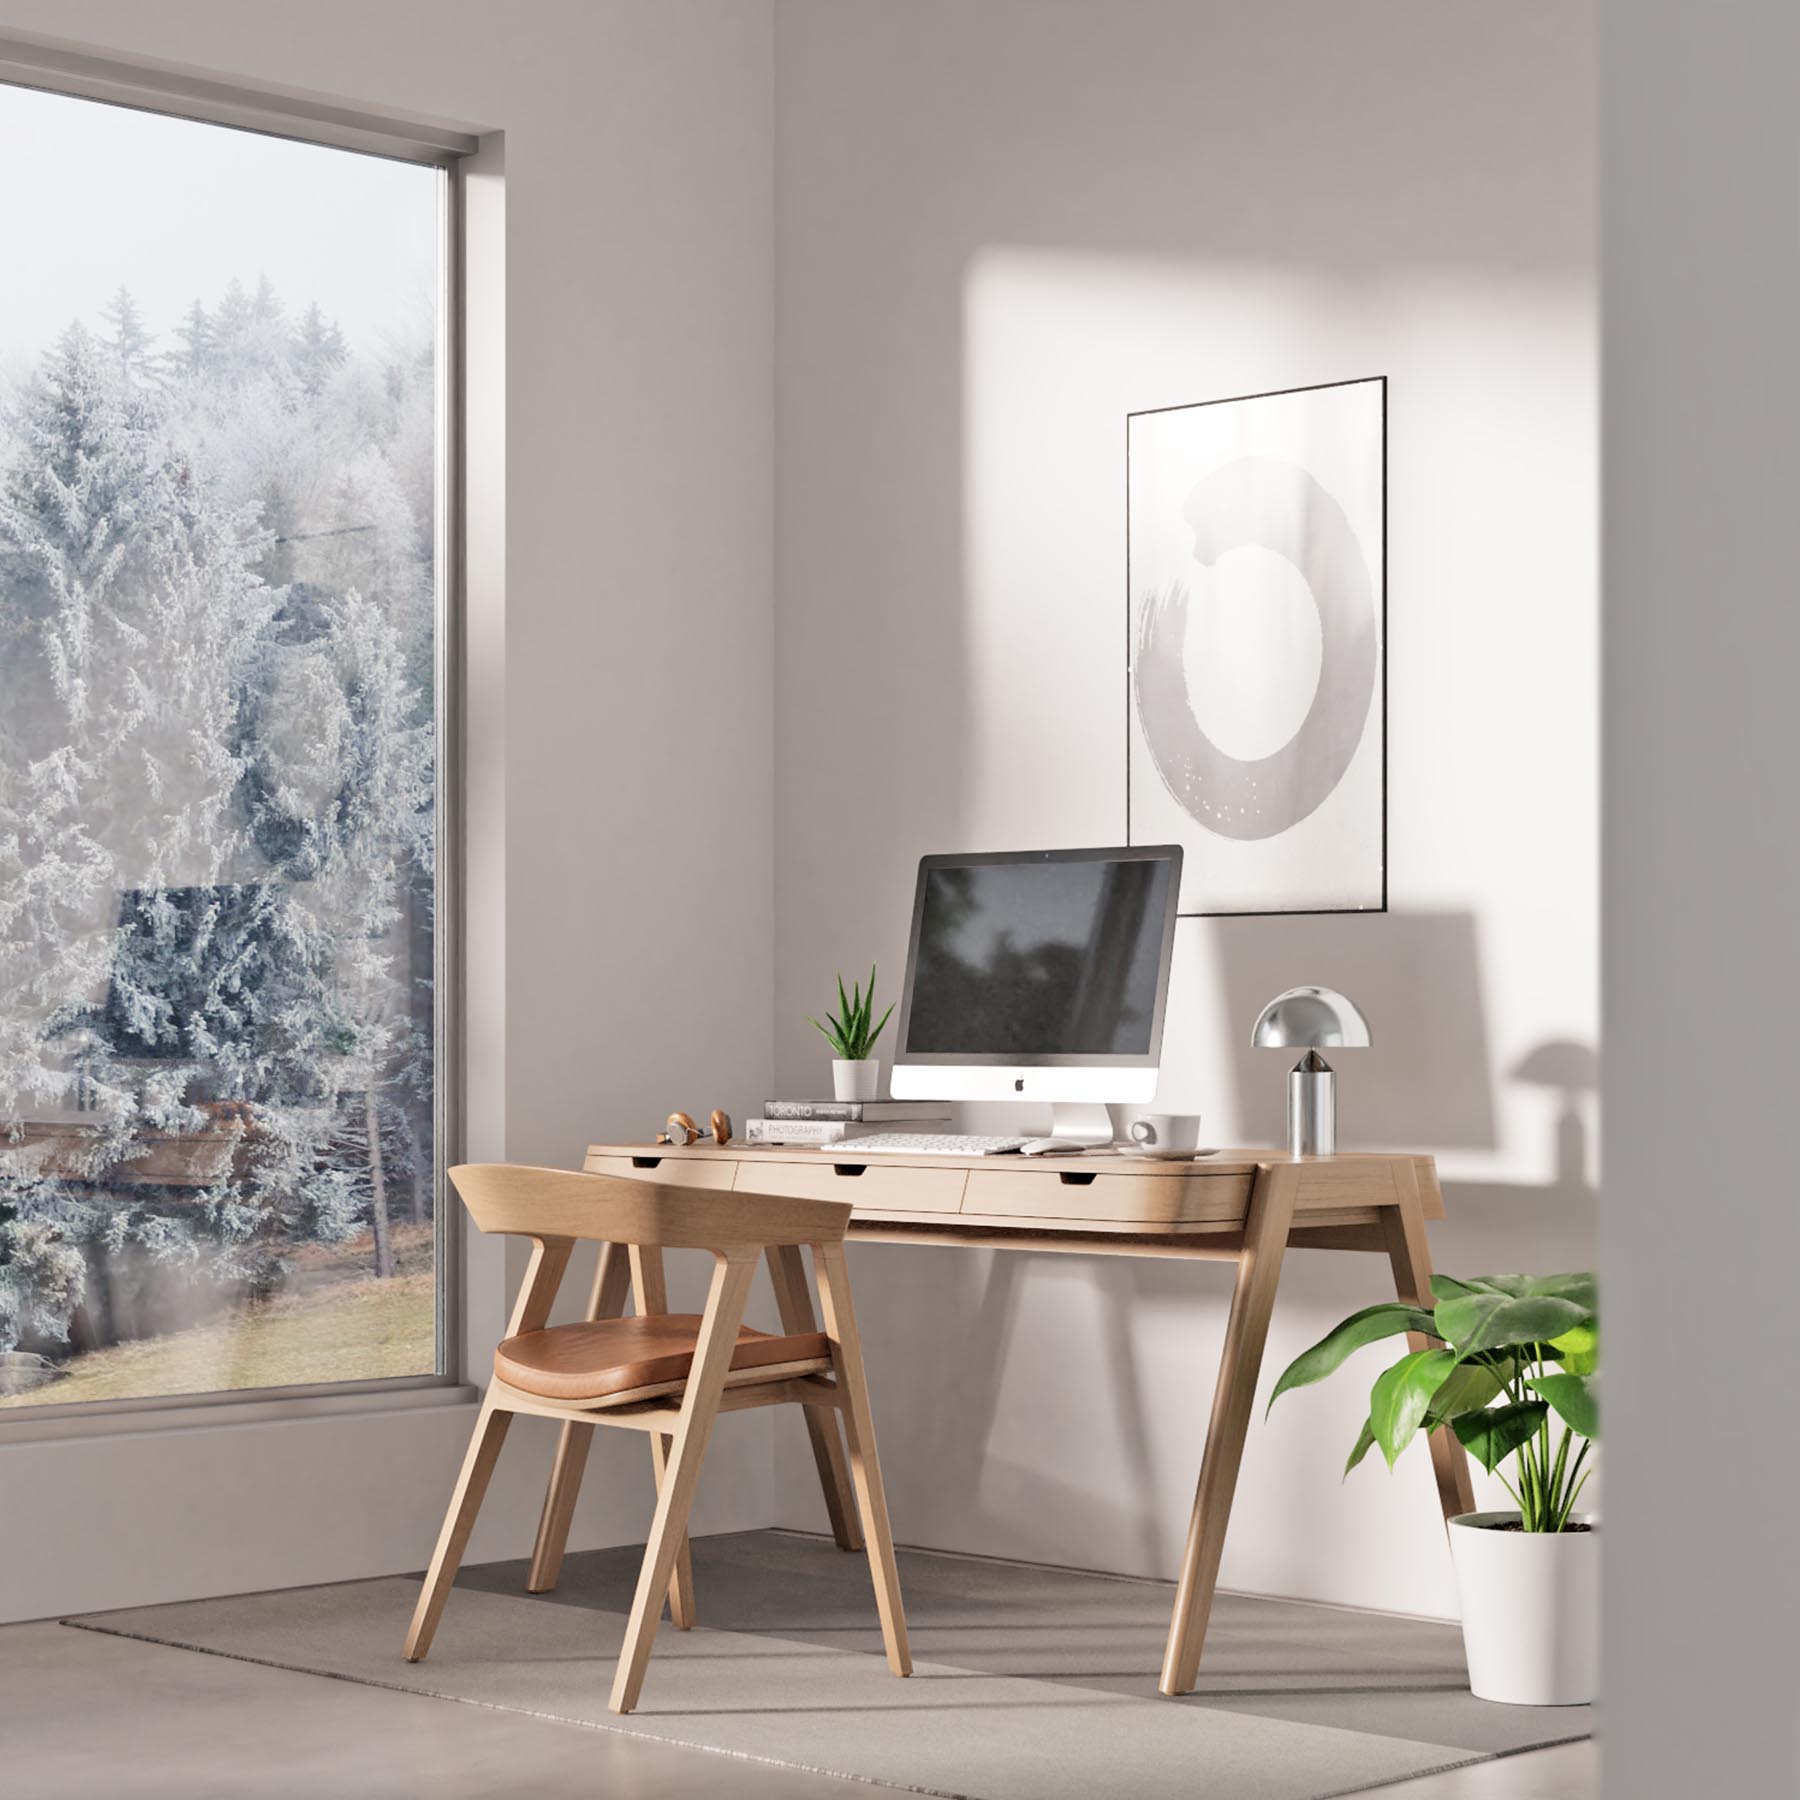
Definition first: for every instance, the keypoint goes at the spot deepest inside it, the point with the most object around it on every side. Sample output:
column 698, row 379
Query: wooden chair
column 669, row 1374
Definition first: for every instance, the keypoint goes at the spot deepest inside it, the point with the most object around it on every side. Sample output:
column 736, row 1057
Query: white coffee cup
column 1167, row 1134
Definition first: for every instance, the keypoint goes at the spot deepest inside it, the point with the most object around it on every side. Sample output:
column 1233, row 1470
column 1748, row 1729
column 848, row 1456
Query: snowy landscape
column 218, row 828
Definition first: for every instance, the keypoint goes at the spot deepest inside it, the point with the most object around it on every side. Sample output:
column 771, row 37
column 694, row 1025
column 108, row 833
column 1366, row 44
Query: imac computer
column 1042, row 976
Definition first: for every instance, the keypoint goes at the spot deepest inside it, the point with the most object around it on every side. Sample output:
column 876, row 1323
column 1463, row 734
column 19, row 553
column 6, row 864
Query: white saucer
column 1146, row 1154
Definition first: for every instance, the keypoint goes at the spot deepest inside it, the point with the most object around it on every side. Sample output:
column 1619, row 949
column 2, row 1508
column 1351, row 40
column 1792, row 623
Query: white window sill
column 214, row 1411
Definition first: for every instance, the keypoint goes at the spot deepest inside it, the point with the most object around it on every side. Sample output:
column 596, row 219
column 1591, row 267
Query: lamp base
column 1312, row 1107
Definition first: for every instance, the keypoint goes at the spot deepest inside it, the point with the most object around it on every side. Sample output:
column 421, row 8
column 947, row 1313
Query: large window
column 221, row 470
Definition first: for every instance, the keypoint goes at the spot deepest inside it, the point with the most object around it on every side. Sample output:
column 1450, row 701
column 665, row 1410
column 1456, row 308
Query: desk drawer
column 684, row 1170
column 1145, row 1200
column 877, row 1189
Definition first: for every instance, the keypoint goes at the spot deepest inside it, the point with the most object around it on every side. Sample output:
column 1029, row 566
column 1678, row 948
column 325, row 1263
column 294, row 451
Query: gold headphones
column 680, row 1130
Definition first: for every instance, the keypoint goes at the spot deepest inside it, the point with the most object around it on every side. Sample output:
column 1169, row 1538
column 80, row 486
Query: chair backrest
column 560, row 1203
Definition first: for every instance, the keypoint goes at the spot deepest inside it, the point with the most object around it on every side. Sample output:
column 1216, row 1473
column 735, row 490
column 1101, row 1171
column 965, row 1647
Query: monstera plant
column 1513, row 1375
column 1518, row 1364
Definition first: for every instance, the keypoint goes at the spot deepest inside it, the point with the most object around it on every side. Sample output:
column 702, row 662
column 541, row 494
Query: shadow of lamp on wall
column 1311, row 1019
column 1570, row 1070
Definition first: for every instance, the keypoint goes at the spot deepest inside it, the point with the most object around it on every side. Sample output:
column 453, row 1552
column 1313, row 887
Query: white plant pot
column 1530, row 1610
column 855, row 1080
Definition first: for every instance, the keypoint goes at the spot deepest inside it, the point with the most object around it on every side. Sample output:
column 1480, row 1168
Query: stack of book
column 831, row 1121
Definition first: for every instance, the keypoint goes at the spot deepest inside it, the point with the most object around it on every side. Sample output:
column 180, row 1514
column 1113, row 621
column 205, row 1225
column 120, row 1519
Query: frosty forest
column 217, row 834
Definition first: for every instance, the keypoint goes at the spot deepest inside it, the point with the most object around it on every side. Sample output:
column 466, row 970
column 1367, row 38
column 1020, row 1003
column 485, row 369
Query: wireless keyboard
column 922, row 1143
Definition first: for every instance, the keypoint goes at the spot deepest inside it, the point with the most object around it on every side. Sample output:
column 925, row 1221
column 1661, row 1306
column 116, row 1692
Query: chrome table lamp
column 1311, row 1018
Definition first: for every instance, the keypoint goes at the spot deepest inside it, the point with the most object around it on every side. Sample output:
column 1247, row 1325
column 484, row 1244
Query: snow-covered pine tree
column 341, row 789
column 216, row 669
column 319, row 351
column 129, row 341
column 130, row 610
column 198, row 336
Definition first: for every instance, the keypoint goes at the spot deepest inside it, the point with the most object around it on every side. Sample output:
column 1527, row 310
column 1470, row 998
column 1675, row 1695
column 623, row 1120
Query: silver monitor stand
column 1082, row 1124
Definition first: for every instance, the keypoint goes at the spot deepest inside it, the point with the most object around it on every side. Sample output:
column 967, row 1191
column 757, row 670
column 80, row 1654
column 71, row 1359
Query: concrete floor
column 104, row 1717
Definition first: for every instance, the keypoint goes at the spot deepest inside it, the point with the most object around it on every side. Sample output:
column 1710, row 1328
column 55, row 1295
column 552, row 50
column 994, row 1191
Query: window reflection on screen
column 1038, row 959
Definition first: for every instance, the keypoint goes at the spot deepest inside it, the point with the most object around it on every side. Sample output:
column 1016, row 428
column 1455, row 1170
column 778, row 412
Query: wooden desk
column 1241, row 1206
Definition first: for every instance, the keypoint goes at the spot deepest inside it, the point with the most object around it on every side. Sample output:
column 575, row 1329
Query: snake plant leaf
column 1373, row 1322
column 1402, row 1395
column 1364, row 1444
column 1574, row 1399
column 1578, row 1351
column 1492, row 1436
column 1495, row 1321
column 1467, row 1388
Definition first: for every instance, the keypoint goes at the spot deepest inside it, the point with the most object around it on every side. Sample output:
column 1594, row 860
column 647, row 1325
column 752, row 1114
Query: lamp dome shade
column 1307, row 1018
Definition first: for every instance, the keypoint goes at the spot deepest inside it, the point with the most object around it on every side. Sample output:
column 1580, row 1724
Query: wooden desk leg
column 1234, row 1397
column 1410, row 1255
column 793, row 1298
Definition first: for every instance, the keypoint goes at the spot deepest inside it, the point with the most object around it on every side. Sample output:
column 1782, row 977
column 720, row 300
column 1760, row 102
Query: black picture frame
column 1381, row 596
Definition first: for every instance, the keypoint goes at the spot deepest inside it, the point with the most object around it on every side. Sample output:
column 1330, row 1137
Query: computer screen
column 1042, row 956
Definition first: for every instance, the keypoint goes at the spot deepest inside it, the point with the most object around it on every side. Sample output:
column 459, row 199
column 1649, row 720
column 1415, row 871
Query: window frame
column 59, row 68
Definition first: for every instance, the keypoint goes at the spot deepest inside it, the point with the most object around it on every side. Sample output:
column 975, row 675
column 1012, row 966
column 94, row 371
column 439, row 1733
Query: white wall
column 1701, row 1235
column 620, row 742
column 999, row 228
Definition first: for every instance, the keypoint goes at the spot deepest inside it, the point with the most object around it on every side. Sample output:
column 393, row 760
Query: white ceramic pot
column 855, row 1080
column 1530, row 1609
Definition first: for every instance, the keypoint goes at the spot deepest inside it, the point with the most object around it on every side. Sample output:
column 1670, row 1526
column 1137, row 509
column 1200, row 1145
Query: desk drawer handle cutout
column 646, row 1162
column 1075, row 1177
column 848, row 1168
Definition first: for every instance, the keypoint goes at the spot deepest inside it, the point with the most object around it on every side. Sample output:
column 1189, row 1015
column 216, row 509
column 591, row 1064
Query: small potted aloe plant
column 855, row 1074
column 1513, row 1375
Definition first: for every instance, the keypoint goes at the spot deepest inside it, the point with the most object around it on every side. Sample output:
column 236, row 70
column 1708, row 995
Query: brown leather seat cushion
column 613, row 1356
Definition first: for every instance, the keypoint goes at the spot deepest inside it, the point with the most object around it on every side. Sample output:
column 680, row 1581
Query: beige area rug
column 1030, row 1683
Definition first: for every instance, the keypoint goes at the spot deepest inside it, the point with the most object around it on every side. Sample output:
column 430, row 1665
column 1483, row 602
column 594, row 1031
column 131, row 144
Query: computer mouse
column 1048, row 1147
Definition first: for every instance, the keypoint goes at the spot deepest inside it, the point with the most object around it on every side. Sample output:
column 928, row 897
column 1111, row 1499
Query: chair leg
column 699, row 1407
column 465, row 1502
column 572, row 1445
column 650, row 1290
column 681, row 1583
column 865, row 1465
column 612, row 1280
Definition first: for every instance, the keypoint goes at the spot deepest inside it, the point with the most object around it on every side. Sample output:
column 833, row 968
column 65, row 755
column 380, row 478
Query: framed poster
column 1256, row 652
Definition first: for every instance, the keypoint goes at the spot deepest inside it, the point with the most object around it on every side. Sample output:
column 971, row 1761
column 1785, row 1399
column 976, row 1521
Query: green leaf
column 1365, row 1327
column 1493, row 1321
column 1514, row 1287
column 1364, row 1443
column 1400, row 1396
column 1578, row 1351
column 1492, row 1436
column 1578, row 1287
column 1581, row 1288
column 879, row 1029
column 1574, row 1399
column 1447, row 1287
column 1466, row 1388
